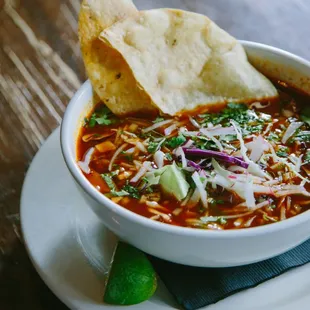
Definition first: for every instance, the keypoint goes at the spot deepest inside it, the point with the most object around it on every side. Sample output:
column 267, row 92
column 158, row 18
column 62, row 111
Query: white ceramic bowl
column 196, row 247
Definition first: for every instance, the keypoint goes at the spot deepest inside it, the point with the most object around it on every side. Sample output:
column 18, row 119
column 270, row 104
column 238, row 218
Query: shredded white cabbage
column 258, row 146
column 201, row 188
column 117, row 152
column 218, row 131
column 157, row 125
column 249, row 194
column 291, row 130
column 159, row 157
column 170, row 129
column 143, row 170
column 141, row 147
column 194, row 123
column 210, row 136
column 253, row 167
column 284, row 161
column 179, row 152
column 84, row 165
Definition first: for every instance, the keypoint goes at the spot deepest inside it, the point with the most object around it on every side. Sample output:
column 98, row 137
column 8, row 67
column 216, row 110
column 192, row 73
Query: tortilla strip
column 184, row 61
column 108, row 72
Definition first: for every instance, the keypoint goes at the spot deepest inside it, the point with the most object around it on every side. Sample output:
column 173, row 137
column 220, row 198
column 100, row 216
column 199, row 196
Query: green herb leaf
column 249, row 120
column 283, row 151
column 208, row 219
column 204, row 143
column 108, row 179
column 176, row 141
column 158, row 119
column 92, row 121
column 102, row 116
column 121, row 193
column 152, row 147
column 229, row 138
column 222, row 220
column 307, row 158
column 273, row 137
column 303, row 136
column 235, row 111
column 305, row 115
column 168, row 156
column 132, row 191
column 129, row 157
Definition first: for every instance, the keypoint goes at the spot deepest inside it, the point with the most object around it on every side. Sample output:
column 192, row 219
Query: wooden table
column 41, row 68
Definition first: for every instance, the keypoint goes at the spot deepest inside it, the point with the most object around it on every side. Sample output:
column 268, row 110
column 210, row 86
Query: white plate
column 70, row 248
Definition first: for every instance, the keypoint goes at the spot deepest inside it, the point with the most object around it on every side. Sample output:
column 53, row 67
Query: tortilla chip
column 108, row 72
column 185, row 61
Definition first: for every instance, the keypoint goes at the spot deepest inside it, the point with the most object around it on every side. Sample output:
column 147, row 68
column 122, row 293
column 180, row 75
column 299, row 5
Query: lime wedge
column 131, row 279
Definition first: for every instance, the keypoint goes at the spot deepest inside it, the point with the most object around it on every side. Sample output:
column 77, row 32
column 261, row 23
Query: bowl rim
column 66, row 136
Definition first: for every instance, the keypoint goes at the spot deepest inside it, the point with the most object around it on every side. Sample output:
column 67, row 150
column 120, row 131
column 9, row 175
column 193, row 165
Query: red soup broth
column 127, row 152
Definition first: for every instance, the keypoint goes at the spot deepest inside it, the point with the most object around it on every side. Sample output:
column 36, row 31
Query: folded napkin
column 195, row 287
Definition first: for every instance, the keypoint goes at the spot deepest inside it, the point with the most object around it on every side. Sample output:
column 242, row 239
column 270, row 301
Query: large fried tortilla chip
column 109, row 73
column 184, row 61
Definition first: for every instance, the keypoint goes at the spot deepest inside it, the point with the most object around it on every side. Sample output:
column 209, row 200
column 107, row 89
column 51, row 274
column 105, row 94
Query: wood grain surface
column 41, row 68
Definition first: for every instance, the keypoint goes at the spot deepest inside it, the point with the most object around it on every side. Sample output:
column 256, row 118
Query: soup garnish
column 238, row 167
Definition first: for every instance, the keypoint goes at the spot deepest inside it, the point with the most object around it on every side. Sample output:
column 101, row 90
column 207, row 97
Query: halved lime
column 131, row 279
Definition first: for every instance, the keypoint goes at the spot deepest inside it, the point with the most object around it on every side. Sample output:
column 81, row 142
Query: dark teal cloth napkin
column 194, row 287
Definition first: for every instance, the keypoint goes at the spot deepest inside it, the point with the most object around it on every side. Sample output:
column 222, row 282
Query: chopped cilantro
column 273, row 137
column 168, row 156
column 235, row 111
column 145, row 180
column 86, row 121
column 132, row 191
column 254, row 129
column 222, row 220
column 108, row 179
column 305, row 115
column 204, row 143
column 303, row 136
column 121, row 193
column 152, row 147
column 101, row 116
column 307, row 158
column 268, row 218
column 249, row 120
column 176, row 141
column 229, row 138
column 213, row 202
column 92, row 121
column 283, row 151
column 158, row 119
column 129, row 157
